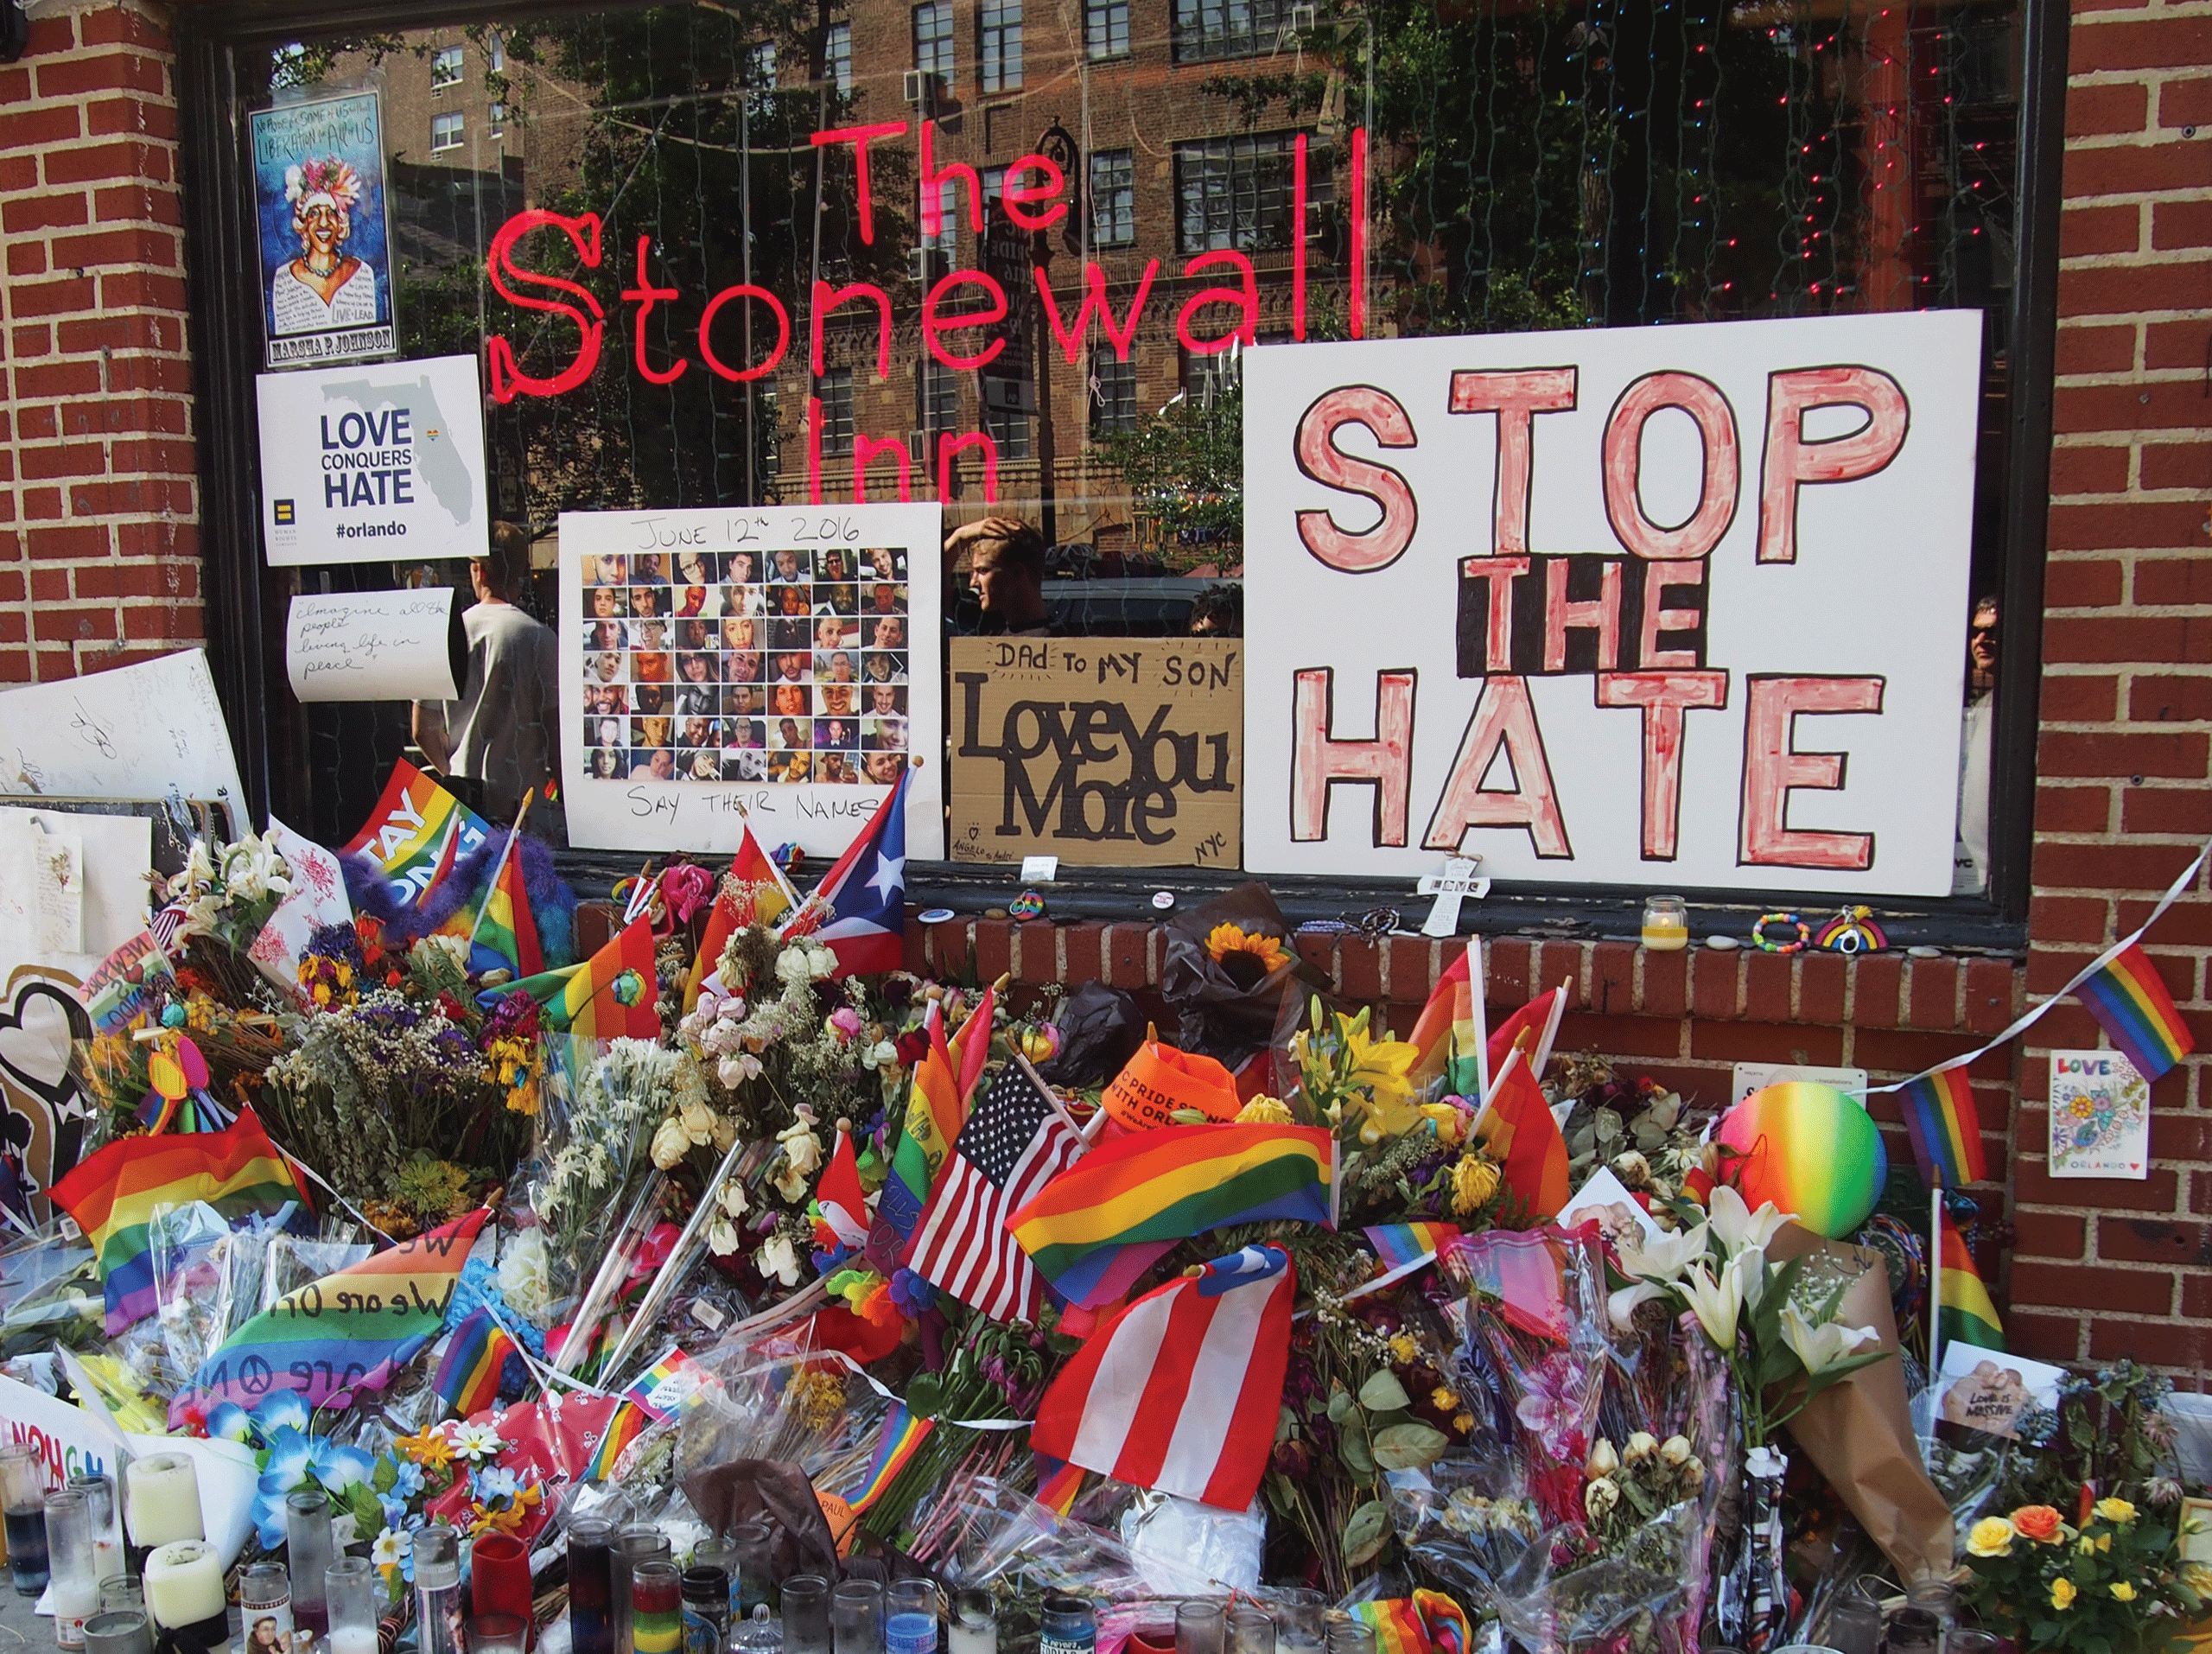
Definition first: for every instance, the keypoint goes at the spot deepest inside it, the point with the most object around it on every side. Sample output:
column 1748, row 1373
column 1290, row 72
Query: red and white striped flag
column 1013, row 1143
column 1181, row 1390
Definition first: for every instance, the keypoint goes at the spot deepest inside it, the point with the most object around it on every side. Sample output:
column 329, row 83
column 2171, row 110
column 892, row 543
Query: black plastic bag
column 1225, row 998
column 1100, row 1030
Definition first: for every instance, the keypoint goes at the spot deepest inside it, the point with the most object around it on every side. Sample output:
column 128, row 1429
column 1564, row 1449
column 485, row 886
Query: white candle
column 184, row 1584
column 353, row 1639
column 161, row 1498
column 965, row 1638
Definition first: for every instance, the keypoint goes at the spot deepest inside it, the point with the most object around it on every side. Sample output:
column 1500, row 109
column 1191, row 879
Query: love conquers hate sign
column 1636, row 605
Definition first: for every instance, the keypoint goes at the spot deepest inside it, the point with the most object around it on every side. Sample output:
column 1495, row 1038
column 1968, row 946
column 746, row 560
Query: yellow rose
column 1990, row 1536
column 1474, row 1180
column 2085, row 1546
column 2104, row 1542
column 2062, row 1593
column 2116, row 1510
column 2122, row 1591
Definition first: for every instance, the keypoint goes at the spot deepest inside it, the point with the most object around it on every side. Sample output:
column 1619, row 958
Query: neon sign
column 1033, row 196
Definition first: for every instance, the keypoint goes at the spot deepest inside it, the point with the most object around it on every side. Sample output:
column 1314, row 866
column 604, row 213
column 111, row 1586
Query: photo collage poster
column 780, row 664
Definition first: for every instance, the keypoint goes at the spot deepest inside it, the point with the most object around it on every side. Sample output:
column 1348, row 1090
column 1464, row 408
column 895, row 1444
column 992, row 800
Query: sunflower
column 1249, row 956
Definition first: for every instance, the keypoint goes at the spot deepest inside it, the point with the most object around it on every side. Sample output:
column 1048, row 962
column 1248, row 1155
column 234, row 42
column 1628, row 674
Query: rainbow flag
column 348, row 1332
column 508, row 935
column 1153, row 1188
column 1057, row 1483
column 770, row 900
column 672, row 1384
column 2126, row 994
column 610, row 995
column 1945, row 1128
column 417, row 832
column 1449, row 1034
column 1967, row 1314
column 115, row 1193
column 1428, row 1622
column 896, row 1444
column 1518, row 1131
column 623, row 1426
column 1404, row 1248
column 937, row 1107
column 467, row 1379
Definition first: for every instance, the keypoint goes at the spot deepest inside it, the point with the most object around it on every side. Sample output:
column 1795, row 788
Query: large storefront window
column 707, row 251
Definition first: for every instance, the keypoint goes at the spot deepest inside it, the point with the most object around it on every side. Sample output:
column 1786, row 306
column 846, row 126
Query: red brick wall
column 2104, row 1269
column 98, row 521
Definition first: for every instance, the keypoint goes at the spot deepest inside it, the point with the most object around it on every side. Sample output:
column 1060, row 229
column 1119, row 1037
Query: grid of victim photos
column 786, row 665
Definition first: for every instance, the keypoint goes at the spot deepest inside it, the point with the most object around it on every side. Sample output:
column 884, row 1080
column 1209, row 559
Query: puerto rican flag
column 1181, row 1390
column 859, row 908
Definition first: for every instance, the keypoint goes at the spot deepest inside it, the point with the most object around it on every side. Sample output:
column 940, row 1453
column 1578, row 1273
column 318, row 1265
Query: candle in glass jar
column 184, row 1584
column 161, row 1500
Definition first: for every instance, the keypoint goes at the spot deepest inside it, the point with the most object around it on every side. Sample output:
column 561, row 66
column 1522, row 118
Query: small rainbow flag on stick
column 900, row 1438
column 610, row 995
column 625, row 1425
column 1403, row 1248
column 1940, row 1114
column 467, row 1380
column 1966, row 1314
column 2126, row 994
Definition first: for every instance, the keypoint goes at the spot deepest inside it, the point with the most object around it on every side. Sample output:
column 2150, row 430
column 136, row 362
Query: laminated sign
column 1118, row 752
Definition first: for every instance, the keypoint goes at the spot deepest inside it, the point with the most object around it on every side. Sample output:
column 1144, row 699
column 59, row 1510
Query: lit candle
column 184, row 1585
column 162, row 1498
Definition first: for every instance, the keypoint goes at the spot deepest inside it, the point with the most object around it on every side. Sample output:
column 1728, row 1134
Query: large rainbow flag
column 2126, row 994
column 116, row 1194
column 347, row 1331
column 507, row 937
column 896, row 1444
column 417, row 832
column 1153, row 1188
column 1518, row 1131
column 608, row 997
column 1945, row 1128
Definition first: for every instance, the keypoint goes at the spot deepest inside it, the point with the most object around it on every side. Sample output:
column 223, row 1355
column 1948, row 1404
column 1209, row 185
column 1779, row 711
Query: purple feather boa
column 552, row 904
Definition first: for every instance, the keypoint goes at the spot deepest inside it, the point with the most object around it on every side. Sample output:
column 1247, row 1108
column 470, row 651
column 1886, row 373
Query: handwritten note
column 370, row 647
column 153, row 731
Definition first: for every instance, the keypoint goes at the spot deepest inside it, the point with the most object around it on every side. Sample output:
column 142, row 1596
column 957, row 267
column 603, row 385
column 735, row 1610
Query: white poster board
column 377, row 463
column 371, row 645
column 776, row 664
column 1632, row 605
column 153, row 731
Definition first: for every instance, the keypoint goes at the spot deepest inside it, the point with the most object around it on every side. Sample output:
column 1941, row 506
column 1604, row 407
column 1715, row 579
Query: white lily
column 1621, row 1306
column 1738, row 1226
column 1824, row 1346
column 1717, row 1304
column 1749, row 1267
column 1666, row 1257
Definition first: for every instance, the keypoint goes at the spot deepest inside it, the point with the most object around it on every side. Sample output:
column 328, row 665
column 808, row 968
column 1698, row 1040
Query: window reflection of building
column 1106, row 28
column 835, row 390
column 1112, row 198
column 1113, row 393
column 1001, row 45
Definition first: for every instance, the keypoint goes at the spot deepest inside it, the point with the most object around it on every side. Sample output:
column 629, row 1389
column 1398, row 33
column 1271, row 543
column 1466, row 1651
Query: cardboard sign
column 1109, row 752
column 373, row 463
column 1632, row 605
column 151, row 730
column 775, row 664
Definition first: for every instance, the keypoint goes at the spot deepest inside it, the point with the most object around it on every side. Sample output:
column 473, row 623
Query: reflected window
column 837, row 57
column 834, row 390
column 445, row 131
column 1106, row 28
column 937, row 396
column 1112, row 198
column 933, row 41
column 1209, row 29
column 1001, row 30
column 1235, row 193
column 1113, row 393
column 497, row 123
column 445, row 68
column 495, row 52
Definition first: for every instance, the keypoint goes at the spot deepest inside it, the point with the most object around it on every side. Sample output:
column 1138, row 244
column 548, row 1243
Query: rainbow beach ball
column 1811, row 1150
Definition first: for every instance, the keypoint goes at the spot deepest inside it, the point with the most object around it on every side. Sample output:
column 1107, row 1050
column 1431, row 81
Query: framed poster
column 776, row 663
column 1681, row 606
column 378, row 462
column 326, row 239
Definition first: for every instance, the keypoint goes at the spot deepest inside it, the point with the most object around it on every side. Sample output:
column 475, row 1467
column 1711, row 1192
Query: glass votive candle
column 123, row 1594
column 856, row 1617
column 656, row 1606
column 1200, row 1626
column 495, row 1633
column 973, row 1628
column 806, row 1614
column 109, row 1560
column 910, row 1617
column 1251, row 1630
column 75, row 1586
column 265, row 1609
column 23, row 1501
column 591, row 1551
column 307, row 1544
column 1665, row 924
column 353, row 1596
column 122, row 1631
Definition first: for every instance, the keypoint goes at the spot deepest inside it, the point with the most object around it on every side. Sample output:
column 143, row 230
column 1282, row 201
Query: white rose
column 1640, row 1446
column 721, row 1237
column 1676, row 1451
column 776, row 1259
column 1600, row 1498
column 670, row 1144
column 699, row 1122
column 1603, row 1460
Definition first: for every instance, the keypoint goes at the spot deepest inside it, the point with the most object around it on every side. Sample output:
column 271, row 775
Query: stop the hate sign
column 1678, row 606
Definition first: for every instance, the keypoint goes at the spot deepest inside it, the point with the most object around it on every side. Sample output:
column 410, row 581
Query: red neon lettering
column 1359, row 233
column 744, row 290
column 828, row 298
column 859, row 137
column 1501, row 573
column 1318, row 760
column 1367, row 550
column 644, row 296
column 1246, row 296
column 948, row 448
column 1094, row 303
column 1773, row 768
column 1791, row 463
column 1719, row 477
column 1018, row 195
column 1561, row 616
column 933, row 324
column 1516, row 397
column 1503, row 719
column 1664, row 697
column 508, row 380
column 1656, row 620
column 933, row 192
column 865, row 448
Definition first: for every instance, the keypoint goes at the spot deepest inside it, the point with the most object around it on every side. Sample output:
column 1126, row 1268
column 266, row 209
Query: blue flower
column 279, row 1411
column 269, row 1515
column 228, row 1422
column 408, row 1479
column 291, row 1460
column 494, row 1484
column 394, row 1511
column 342, row 1468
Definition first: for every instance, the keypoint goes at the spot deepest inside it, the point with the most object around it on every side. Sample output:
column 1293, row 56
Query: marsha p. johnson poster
column 1643, row 606
column 318, row 205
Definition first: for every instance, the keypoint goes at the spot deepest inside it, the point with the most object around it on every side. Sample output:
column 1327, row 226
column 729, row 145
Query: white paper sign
column 317, row 898
column 153, row 731
column 1611, row 604
column 2100, row 1115
column 377, row 463
column 371, row 645
column 1751, row 1077
column 1605, row 1201
column 778, row 664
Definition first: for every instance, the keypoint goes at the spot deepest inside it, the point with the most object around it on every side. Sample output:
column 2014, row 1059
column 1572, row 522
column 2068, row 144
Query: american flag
column 1013, row 1143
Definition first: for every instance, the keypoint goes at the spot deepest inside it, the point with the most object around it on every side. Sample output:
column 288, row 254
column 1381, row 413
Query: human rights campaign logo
column 285, row 513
